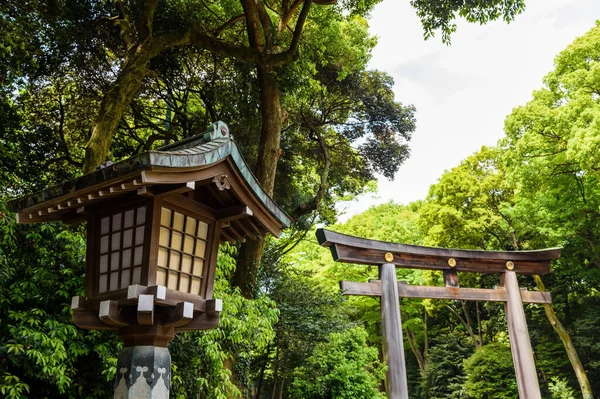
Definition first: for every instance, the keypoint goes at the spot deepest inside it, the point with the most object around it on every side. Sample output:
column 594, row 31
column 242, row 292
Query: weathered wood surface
column 145, row 310
column 181, row 315
column 451, row 278
column 498, row 294
column 109, row 314
column 391, row 325
column 351, row 249
column 522, row 353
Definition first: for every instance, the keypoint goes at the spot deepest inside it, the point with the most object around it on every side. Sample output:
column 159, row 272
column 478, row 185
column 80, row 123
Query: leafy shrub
column 490, row 373
column 344, row 367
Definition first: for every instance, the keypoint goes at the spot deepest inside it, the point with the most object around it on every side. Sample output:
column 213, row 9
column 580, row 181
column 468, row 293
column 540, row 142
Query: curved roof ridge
column 195, row 152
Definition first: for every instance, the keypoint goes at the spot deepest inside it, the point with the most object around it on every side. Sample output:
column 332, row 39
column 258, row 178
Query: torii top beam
column 350, row 249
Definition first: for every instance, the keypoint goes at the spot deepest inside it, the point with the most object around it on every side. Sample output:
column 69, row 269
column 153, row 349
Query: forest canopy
column 83, row 82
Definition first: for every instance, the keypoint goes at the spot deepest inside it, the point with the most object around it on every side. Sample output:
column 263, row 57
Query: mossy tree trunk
column 584, row 383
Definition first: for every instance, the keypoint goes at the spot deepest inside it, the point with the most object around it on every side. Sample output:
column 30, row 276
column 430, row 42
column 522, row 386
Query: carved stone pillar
column 143, row 372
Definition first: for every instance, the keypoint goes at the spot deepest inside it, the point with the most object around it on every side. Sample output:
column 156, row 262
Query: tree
column 552, row 145
column 475, row 205
column 343, row 367
column 309, row 312
column 136, row 35
column 42, row 353
column 444, row 376
column 490, row 373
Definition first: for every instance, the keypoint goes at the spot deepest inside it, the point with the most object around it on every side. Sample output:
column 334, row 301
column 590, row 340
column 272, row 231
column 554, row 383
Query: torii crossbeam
column 388, row 256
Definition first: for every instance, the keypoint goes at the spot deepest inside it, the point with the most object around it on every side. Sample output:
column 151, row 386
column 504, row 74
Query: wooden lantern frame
column 134, row 252
column 203, row 178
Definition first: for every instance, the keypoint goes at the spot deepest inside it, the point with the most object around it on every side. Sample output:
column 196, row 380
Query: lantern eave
column 195, row 160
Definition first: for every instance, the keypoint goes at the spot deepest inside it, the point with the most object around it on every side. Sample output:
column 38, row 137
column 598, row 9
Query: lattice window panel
column 121, row 248
column 181, row 252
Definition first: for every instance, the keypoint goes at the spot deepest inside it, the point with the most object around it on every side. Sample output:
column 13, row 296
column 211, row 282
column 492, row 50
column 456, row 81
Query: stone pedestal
column 143, row 372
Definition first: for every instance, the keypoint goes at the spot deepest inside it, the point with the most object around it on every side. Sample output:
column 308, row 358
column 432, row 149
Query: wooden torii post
column 388, row 256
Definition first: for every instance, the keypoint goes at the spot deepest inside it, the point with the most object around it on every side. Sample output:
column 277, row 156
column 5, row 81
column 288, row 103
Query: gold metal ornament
column 389, row 257
column 452, row 262
column 510, row 265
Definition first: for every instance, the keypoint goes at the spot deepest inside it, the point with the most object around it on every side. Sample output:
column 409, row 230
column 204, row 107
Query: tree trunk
column 250, row 255
column 248, row 262
column 479, row 330
column 414, row 347
column 466, row 322
column 584, row 383
column 282, row 386
column 275, row 372
column 268, row 149
column 470, row 323
column 262, row 373
column 115, row 102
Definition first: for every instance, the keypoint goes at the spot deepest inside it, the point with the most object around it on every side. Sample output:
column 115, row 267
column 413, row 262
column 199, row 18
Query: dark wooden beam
column 88, row 320
column 187, row 205
column 201, row 321
column 233, row 213
column 180, row 315
column 351, row 249
column 166, row 189
column 110, row 314
column 145, row 310
column 373, row 288
column 450, row 278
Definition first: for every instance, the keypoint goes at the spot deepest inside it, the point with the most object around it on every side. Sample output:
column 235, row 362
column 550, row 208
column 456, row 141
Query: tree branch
column 288, row 14
column 464, row 322
column 267, row 24
column 229, row 23
column 313, row 204
column 252, row 24
column 221, row 48
column 412, row 342
column 61, row 133
column 300, row 26
column 125, row 30
column 146, row 19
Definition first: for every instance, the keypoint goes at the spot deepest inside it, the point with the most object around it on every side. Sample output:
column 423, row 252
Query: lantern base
column 143, row 372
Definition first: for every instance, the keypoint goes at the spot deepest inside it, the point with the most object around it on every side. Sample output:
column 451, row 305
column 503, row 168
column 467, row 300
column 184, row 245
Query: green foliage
column 440, row 15
column 538, row 188
column 490, row 373
column 560, row 389
column 343, row 367
column 41, row 349
column 215, row 364
column 444, row 376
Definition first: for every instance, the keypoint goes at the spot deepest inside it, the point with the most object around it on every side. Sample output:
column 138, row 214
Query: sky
column 464, row 91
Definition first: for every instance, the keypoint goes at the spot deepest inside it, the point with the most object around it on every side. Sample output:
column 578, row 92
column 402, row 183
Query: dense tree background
column 83, row 81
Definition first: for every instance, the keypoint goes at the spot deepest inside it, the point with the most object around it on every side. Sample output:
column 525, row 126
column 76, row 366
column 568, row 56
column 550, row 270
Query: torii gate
column 388, row 256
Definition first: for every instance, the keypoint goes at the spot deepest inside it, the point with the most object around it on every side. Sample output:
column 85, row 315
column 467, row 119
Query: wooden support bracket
column 233, row 213
column 134, row 291
column 214, row 306
column 88, row 320
column 110, row 314
column 158, row 291
column 181, row 315
column 201, row 321
column 78, row 303
column 145, row 310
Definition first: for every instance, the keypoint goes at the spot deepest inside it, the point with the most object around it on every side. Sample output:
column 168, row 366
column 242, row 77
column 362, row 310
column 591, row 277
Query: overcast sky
column 464, row 91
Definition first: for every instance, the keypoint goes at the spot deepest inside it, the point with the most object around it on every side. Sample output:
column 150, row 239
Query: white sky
column 464, row 91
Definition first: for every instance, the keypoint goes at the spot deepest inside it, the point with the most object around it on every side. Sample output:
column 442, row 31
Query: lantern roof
column 210, row 164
